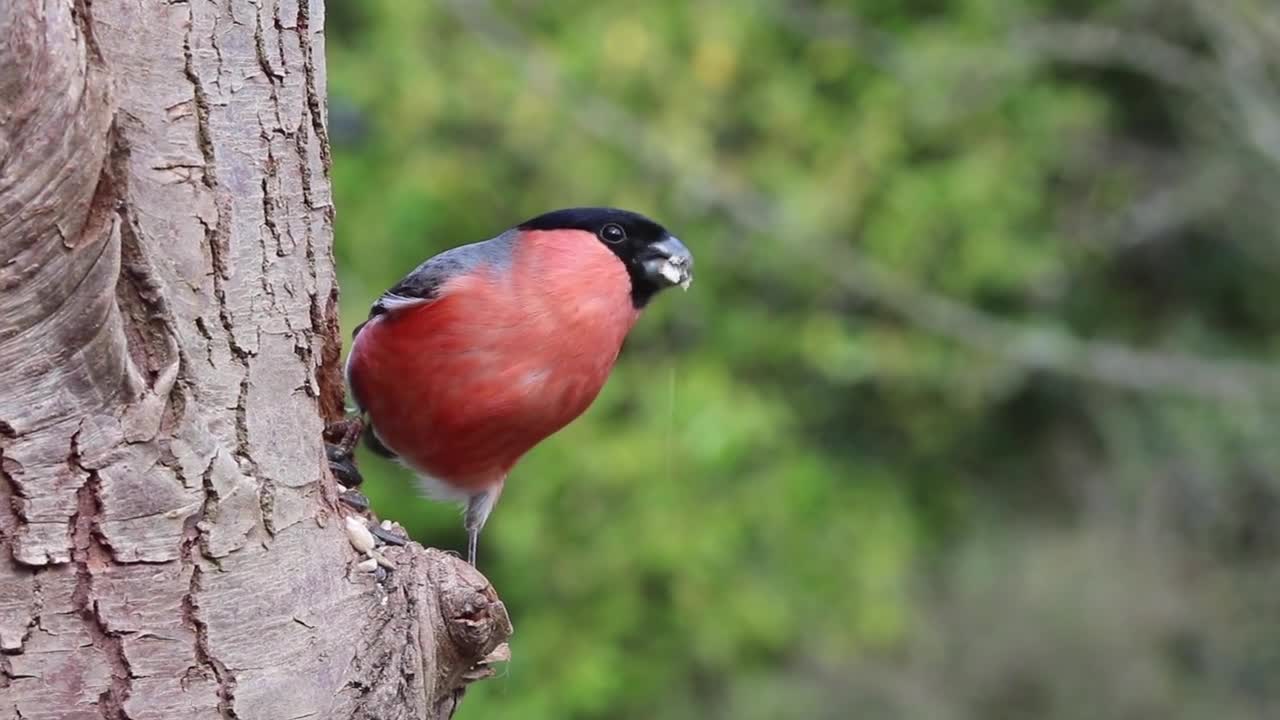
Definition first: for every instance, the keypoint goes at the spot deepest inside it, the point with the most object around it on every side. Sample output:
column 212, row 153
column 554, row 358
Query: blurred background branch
column 1033, row 348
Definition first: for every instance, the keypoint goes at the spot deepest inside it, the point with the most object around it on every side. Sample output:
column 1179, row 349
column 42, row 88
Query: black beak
column 668, row 262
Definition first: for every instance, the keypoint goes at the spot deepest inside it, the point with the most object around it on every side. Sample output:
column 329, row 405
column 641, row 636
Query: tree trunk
column 170, row 543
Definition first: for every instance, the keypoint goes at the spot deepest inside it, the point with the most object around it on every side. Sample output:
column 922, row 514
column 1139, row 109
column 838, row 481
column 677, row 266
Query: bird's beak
column 668, row 262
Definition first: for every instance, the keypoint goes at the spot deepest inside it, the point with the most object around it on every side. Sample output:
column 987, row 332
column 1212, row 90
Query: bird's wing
column 419, row 287
column 426, row 282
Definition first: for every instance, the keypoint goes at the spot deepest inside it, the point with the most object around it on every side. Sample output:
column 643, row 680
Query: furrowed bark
column 170, row 544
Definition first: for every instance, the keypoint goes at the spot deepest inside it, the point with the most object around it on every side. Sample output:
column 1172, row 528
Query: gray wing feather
column 425, row 282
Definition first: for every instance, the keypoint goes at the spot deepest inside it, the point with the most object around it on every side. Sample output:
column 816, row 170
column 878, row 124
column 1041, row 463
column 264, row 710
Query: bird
column 485, row 350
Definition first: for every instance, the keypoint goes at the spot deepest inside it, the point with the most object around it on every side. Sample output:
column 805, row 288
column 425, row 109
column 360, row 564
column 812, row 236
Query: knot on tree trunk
column 475, row 618
column 437, row 626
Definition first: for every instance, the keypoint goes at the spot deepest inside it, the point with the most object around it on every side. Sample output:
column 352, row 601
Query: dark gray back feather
column 424, row 283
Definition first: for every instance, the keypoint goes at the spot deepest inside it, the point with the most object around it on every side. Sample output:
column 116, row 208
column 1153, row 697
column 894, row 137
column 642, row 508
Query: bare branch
column 1106, row 46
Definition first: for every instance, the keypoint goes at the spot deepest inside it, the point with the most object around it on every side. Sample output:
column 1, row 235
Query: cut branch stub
column 476, row 620
column 437, row 626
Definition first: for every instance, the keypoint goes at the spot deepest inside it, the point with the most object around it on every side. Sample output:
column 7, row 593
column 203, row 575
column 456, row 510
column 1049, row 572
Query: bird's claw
column 340, row 442
column 344, row 434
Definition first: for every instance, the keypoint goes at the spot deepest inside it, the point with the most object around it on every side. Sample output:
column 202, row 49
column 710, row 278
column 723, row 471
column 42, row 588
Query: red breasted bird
column 485, row 350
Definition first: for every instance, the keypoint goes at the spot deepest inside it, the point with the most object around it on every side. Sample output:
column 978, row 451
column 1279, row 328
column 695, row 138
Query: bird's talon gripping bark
column 344, row 434
column 340, row 442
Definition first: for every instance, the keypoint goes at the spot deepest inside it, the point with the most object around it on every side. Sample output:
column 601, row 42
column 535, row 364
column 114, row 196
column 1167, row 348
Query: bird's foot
column 345, row 433
column 340, row 442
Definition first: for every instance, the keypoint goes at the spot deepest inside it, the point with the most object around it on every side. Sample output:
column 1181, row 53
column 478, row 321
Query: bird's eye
column 612, row 233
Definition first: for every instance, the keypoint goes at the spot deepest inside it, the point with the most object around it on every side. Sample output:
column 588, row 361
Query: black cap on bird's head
column 655, row 259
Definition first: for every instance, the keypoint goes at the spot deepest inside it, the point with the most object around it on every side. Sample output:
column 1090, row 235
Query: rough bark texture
column 170, row 545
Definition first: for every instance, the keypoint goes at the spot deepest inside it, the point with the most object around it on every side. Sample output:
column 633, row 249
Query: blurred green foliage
column 971, row 386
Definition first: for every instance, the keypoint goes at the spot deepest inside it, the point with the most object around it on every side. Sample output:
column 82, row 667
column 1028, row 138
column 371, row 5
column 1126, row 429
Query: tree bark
column 170, row 541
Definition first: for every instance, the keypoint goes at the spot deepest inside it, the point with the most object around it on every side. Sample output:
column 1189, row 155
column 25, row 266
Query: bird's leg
column 340, row 442
column 478, row 508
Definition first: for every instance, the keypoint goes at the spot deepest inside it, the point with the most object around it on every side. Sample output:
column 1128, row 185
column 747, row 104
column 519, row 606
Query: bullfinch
column 485, row 350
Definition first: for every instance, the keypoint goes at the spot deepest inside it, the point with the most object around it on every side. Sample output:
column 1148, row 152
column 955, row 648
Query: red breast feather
column 462, row 386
